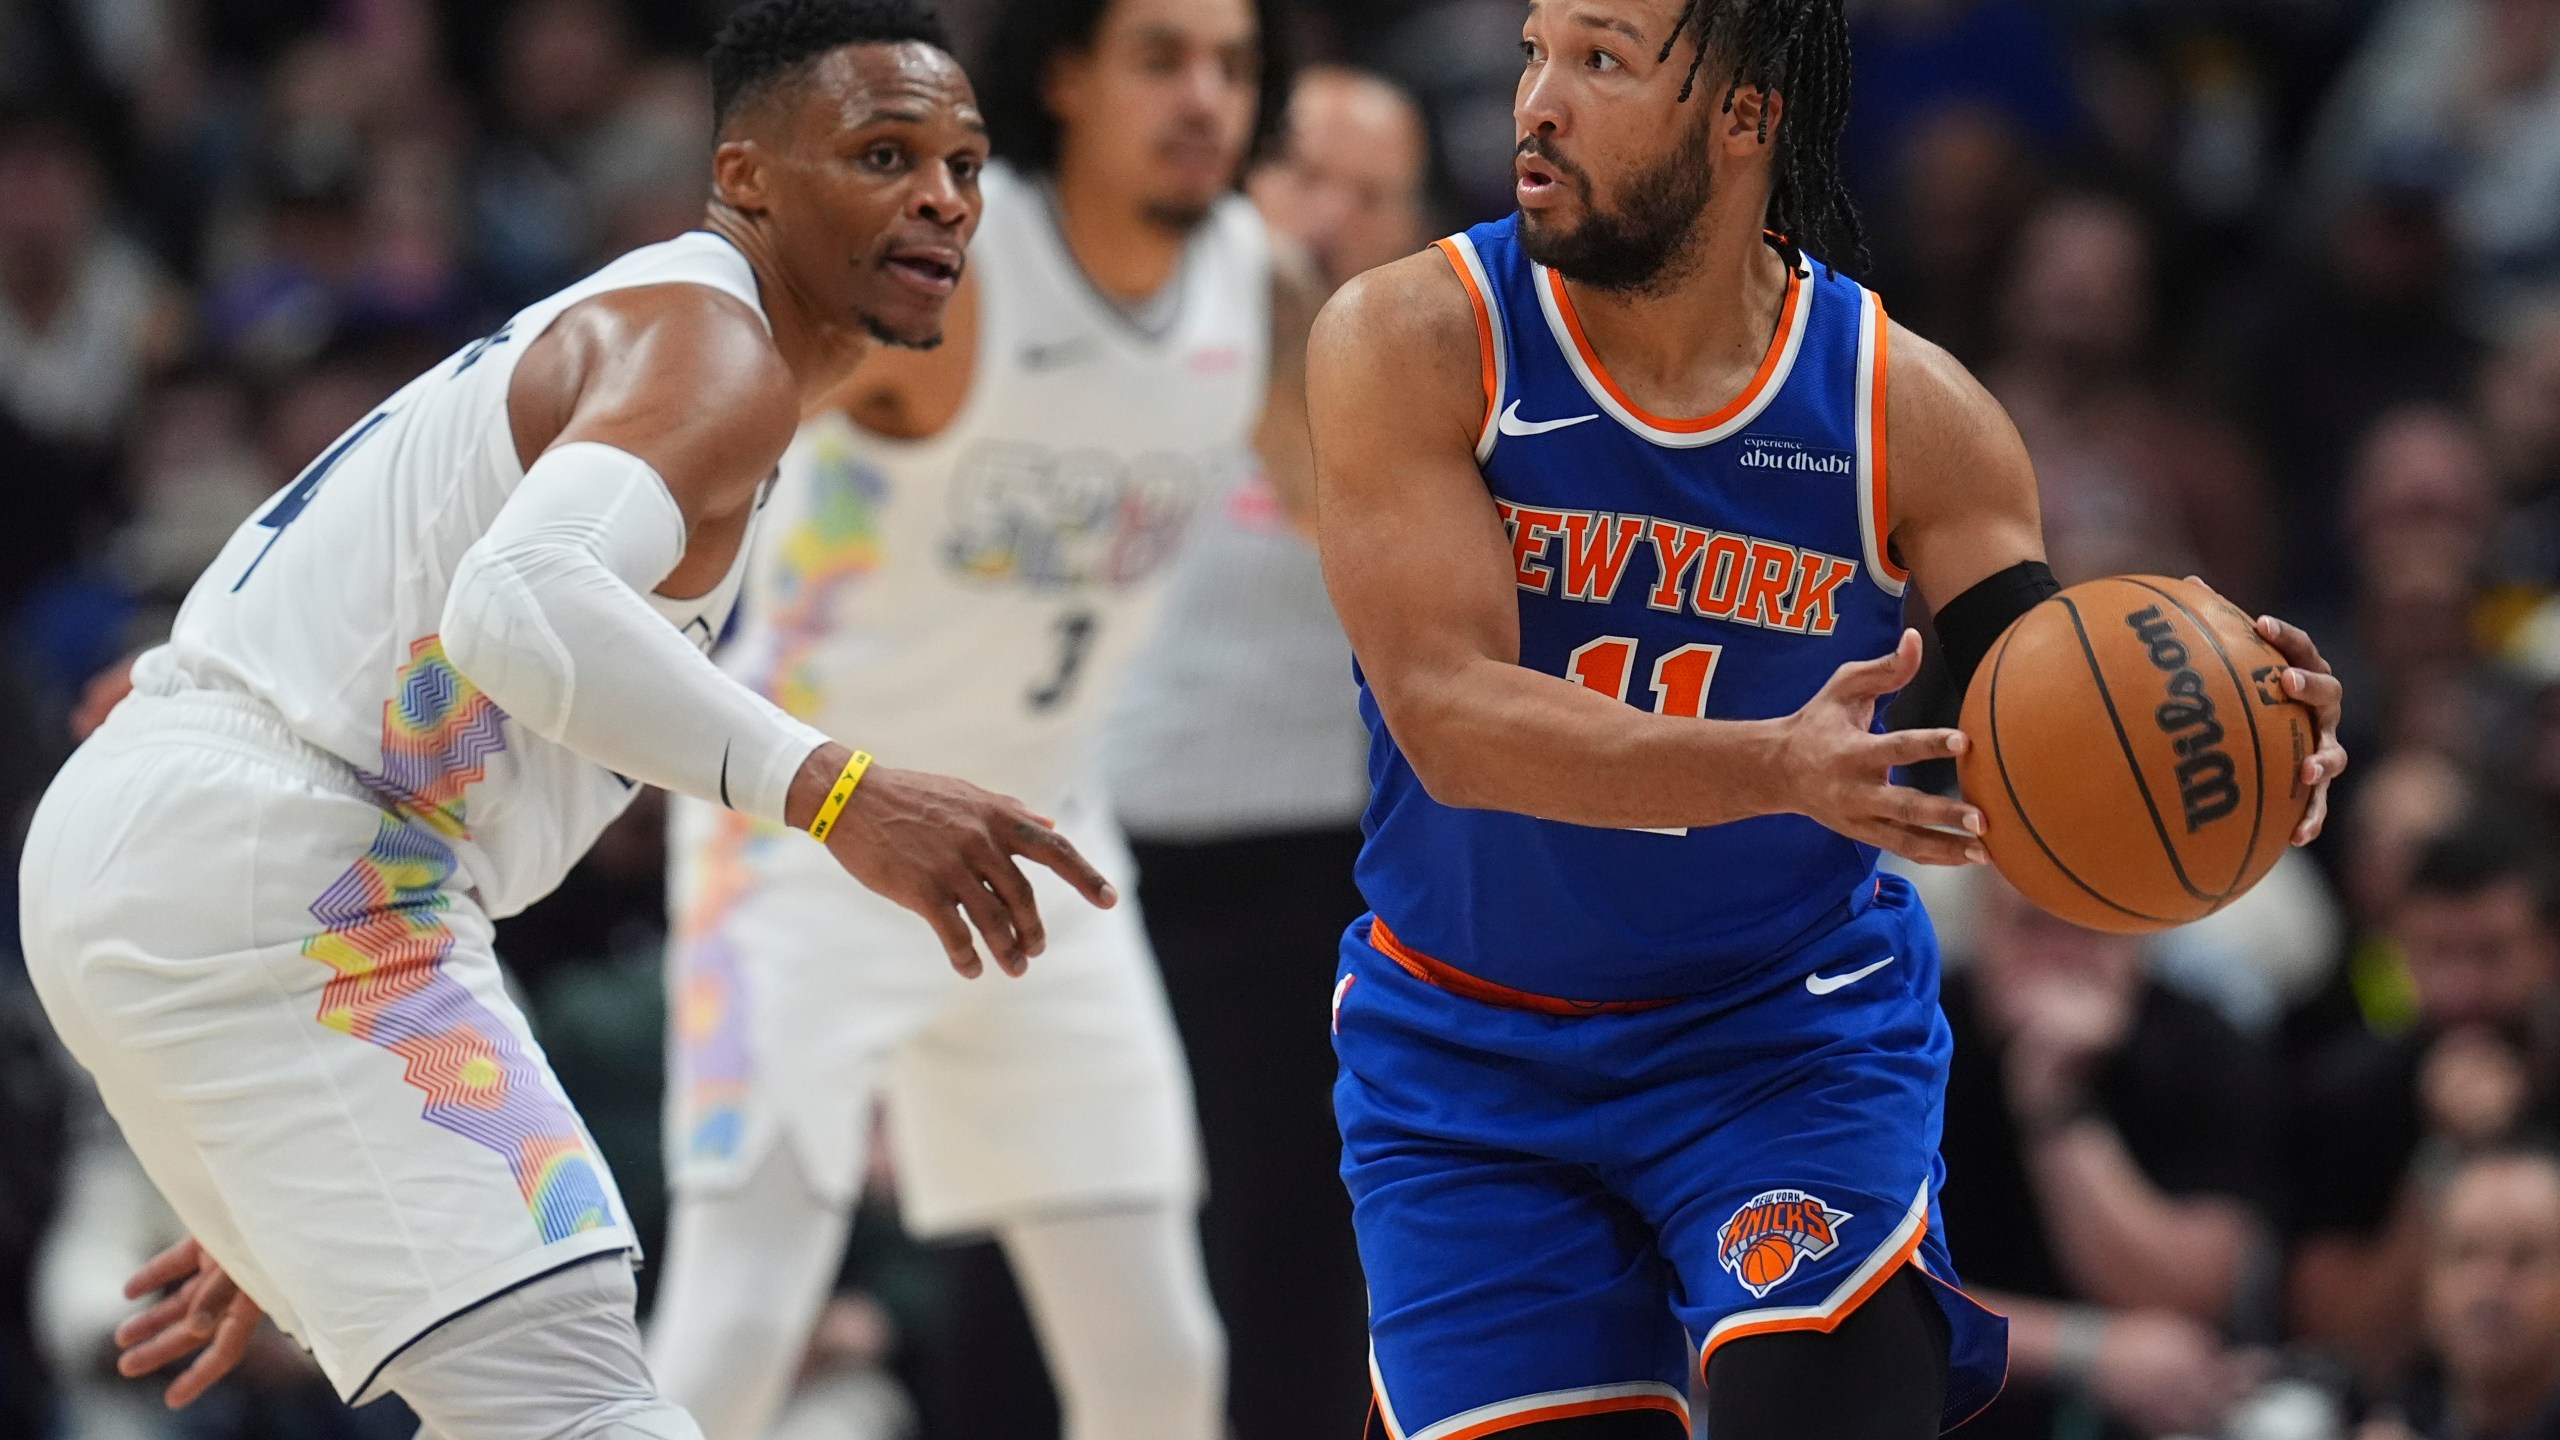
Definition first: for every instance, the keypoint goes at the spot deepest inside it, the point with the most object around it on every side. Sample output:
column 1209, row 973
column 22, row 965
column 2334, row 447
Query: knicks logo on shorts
column 1774, row 1232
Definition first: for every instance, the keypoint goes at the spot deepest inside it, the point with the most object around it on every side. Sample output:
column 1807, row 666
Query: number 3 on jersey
column 1680, row 678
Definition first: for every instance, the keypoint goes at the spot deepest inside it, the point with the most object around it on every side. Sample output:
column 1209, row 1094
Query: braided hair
column 1800, row 49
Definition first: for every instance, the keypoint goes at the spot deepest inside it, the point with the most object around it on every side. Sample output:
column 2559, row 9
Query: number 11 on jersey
column 1680, row 681
column 1680, row 678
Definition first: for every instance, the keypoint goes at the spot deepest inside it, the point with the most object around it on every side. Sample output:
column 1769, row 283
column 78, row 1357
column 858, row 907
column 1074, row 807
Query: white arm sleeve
column 548, row 616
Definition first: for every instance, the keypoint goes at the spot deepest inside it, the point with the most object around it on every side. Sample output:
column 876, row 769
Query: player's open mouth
column 1536, row 183
column 932, row 269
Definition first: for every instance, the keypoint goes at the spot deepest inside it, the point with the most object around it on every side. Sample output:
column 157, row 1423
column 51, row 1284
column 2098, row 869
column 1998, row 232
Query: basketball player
column 1620, row 499
column 967, row 551
column 411, row 690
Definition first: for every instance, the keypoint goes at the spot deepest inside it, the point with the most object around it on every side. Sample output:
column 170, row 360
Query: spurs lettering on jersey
column 1057, row 519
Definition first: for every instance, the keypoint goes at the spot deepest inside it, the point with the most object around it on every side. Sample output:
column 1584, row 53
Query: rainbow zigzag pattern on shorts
column 385, row 935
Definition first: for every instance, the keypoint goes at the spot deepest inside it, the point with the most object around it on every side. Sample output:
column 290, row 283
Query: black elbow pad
column 1969, row 624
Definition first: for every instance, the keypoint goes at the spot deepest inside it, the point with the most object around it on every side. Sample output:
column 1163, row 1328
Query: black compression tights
column 1882, row 1375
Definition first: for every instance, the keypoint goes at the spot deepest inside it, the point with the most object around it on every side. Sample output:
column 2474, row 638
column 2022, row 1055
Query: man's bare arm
column 1281, row 439
column 2123, row 1241
column 1420, row 570
column 671, row 408
column 1961, row 490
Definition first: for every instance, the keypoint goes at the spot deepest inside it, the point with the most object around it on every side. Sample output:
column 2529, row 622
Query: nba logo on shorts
column 1773, row 1233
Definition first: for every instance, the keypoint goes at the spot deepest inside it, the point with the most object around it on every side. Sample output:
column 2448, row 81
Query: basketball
column 2136, row 761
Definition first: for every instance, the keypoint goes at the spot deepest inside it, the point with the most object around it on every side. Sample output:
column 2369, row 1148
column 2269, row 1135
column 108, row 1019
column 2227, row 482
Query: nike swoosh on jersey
column 1512, row 424
column 1825, row 984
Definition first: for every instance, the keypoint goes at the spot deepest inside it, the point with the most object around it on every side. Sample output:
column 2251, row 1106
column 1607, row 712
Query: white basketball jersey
column 325, row 604
column 966, row 603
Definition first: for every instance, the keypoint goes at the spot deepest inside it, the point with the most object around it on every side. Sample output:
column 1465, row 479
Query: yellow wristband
column 833, row 806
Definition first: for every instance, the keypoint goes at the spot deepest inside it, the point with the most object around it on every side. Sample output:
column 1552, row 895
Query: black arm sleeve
column 1974, row 620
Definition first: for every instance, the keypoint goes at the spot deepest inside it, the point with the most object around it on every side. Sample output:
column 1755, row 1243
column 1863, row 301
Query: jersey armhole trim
column 1490, row 350
column 754, row 294
column 1875, row 518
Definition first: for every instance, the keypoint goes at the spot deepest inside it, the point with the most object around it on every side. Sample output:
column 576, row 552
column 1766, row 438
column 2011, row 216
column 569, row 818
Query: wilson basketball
column 2135, row 759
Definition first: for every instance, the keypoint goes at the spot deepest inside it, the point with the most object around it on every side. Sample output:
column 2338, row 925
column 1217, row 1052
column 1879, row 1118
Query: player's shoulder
column 1952, row 451
column 1927, row 375
column 1414, row 310
column 1937, row 412
column 700, row 338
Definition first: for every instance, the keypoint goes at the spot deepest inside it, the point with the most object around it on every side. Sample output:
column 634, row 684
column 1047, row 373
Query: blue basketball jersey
column 1720, row 567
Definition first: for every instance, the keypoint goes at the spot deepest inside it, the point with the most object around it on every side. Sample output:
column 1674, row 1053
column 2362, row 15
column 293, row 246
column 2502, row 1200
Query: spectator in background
column 2471, row 90
column 2106, row 1150
column 2134, row 479
column 1961, row 104
column 1238, row 764
column 1347, row 186
column 597, row 148
column 2418, row 516
column 84, row 315
column 2517, row 400
column 2492, row 1306
column 353, row 229
column 2372, row 1115
column 1966, row 179
column 84, row 319
column 2319, row 347
column 2405, row 802
column 194, row 473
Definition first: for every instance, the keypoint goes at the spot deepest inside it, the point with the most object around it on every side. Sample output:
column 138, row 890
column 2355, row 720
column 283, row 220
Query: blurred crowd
column 2271, row 287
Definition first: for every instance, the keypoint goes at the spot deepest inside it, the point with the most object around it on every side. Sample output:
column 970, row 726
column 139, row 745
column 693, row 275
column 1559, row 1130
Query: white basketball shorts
column 797, row 997
column 293, row 1011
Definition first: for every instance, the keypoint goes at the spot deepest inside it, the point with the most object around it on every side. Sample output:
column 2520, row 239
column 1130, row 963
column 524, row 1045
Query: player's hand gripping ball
column 2134, row 754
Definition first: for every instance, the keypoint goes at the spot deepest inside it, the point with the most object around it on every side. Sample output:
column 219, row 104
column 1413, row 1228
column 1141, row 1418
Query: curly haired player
column 1641, row 1059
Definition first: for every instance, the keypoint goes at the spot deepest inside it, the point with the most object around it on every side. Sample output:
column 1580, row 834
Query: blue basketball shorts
column 1563, row 1214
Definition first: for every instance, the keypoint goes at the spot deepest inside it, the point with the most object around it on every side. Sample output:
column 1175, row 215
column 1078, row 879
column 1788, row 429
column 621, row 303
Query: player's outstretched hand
column 203, row 1311
column 2309, row 679
column 1840, row 773
column 945, row 849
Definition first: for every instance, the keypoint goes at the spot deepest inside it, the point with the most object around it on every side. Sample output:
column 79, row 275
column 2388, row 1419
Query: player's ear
column 738, row 175
column 1741, row 127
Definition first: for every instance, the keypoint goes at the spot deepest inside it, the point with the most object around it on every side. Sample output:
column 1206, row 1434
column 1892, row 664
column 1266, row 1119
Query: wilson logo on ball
column 2206, row 787
column 1774, row 1232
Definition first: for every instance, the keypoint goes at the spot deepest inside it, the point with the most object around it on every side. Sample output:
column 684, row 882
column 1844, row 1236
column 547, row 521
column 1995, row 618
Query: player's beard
column 879, row 330
column 1646, row 243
